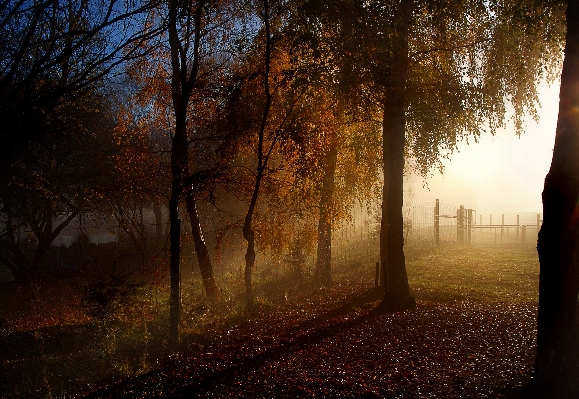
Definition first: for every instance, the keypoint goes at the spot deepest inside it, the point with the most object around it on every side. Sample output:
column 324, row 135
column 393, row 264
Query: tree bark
column 557, row 361
column 323, row 273
column 248, row 233
column 249, row 236
column 178, row 169
column 396, row 290
column 175, row 279
column 384, row 270
column 205, row 265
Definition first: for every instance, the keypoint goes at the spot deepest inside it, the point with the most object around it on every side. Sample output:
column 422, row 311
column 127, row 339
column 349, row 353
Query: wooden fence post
column 517, row 237
column 502, row 226
column 458, row 227
column 437, row 223
column 460, row 223
column 469, row 228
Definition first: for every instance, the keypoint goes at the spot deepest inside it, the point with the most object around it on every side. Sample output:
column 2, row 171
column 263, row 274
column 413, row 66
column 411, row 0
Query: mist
column 501, row 174
column 212, row 199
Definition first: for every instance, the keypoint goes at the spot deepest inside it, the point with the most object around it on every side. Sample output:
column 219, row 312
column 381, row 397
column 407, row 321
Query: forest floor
column 472, row 335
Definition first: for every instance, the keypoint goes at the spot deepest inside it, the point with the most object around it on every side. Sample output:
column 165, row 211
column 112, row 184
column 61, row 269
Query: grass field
column 480, row 274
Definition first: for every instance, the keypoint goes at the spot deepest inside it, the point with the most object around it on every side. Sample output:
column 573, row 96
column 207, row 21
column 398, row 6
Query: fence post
column 437, row 223
column 517, row 237
column 524, row 233
column 469, row 228
column 460, row 225
column 491, row 228
column 502, row 226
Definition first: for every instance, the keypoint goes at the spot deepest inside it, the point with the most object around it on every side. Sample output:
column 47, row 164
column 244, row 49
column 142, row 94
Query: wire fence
column 427, row 224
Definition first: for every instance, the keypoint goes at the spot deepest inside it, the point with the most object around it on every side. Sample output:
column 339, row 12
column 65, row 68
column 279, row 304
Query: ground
column 472, row 335
column 460, row 350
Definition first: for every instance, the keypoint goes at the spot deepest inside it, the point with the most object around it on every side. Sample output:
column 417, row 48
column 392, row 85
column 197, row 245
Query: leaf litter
column 451, row 349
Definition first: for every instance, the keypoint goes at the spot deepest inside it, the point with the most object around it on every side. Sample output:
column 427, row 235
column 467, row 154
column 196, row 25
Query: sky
column 501, row 174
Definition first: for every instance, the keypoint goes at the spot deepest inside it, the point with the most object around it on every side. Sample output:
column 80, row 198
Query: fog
column 107, row 297
column 501, row 174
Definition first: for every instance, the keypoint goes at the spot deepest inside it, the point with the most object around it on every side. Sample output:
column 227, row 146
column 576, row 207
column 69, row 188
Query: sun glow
column 502, row 173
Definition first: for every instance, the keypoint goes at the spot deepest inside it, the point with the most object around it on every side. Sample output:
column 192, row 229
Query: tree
column 439, row 71
column 505, row 66
column 262, row 108
column 557, row 361
column 333, row 128
column 54, row 179
column 201, row 35
column 50, row 51
column 262, row 153
column 337, row 163
column 140, row 178
column 184, row 74
column 54, row 56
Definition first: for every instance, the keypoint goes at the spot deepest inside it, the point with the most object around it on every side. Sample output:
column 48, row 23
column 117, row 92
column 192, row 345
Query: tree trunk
column 557, row 361
column 248, row 232
column 201, row 250
column 396, row 290
column 175, row 277
column 323, row 273
column 249, row 236
column 183, row 78
column 179, row 168
column 178, row 160
column 384, row 276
